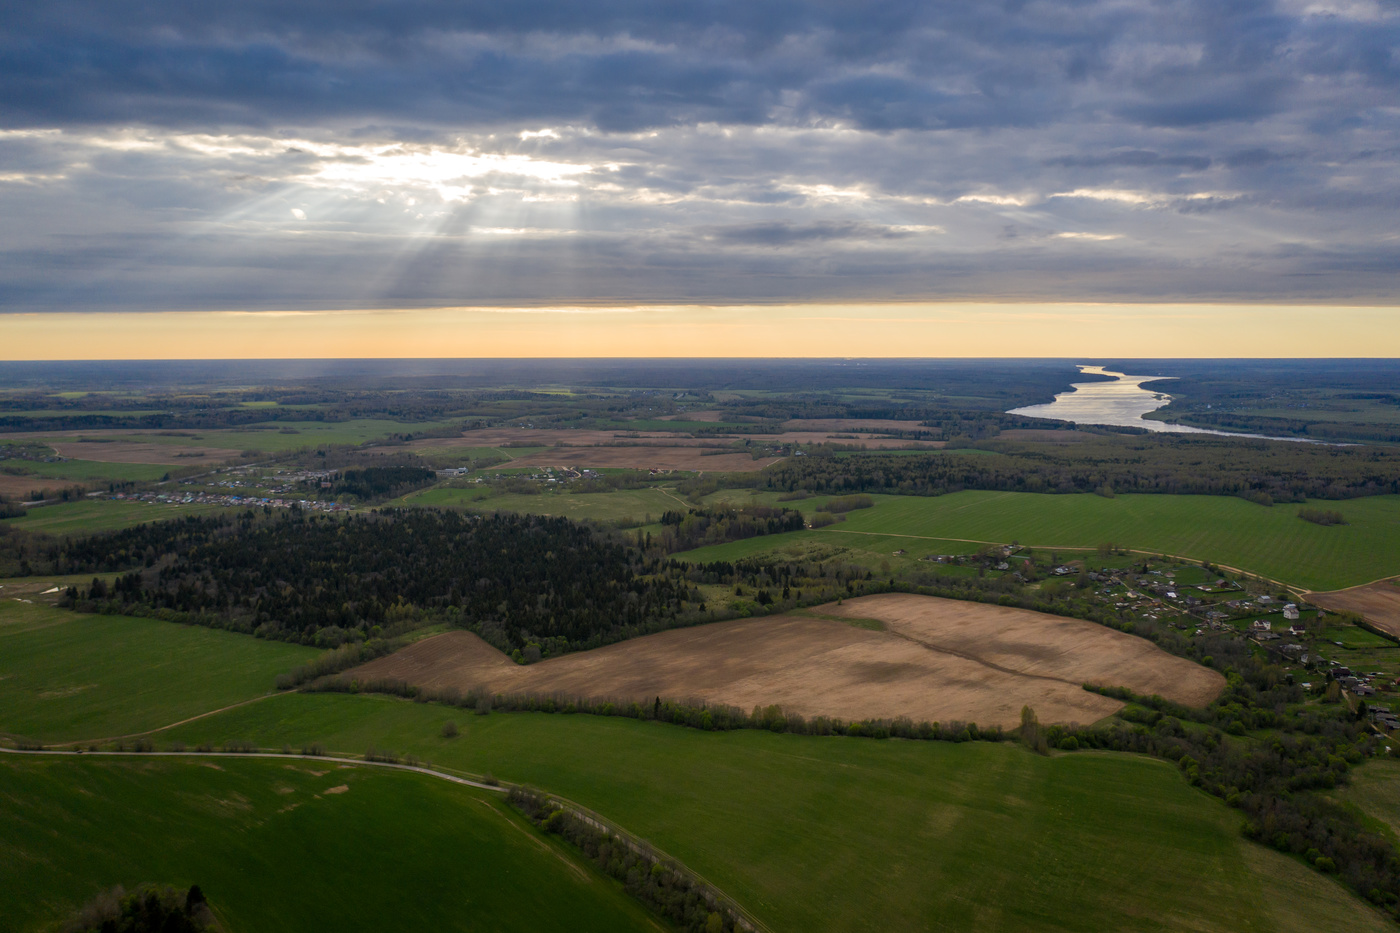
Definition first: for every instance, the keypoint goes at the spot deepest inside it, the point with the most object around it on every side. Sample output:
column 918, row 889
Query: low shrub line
column 665, row 887
column 697, row 715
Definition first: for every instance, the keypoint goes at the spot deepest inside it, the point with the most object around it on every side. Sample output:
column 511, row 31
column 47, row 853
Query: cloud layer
column 349, row 154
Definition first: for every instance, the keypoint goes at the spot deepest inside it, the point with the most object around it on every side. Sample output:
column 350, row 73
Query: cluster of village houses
column 208, row 498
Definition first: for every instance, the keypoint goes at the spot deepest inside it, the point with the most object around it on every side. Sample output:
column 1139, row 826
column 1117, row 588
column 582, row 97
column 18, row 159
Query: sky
column 732, row 178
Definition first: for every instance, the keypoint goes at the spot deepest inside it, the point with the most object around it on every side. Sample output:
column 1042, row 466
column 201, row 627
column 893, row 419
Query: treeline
column 1309, row 750
column 666, row 888
column 704, row 716
column 1283, row 471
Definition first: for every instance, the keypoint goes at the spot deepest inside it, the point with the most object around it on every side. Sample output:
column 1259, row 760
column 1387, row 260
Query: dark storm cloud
column 632, row 65
column 288, row 154
column 777, row 234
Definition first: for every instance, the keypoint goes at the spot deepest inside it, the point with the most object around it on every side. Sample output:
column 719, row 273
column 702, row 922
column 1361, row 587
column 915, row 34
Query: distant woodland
column 1262, row 470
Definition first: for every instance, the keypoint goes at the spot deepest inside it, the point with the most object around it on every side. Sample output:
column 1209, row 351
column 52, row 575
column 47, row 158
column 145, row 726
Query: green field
column 598, row 506
column 1375, row 791
column 66, row 676
column 90, row 470
column 274, row 851
column 1272, row 542
column 842, row 834
column 270, row 436
column 94, row 515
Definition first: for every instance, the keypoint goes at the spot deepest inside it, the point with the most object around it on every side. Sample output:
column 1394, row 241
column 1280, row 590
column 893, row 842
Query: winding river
column 1121, row 403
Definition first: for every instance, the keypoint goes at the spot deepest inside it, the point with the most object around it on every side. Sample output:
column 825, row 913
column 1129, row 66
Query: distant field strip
column 90, row 516
column 1272, row 542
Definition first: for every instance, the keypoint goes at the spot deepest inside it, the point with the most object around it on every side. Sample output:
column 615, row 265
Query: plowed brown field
column 935, row 659
column 1378, row 602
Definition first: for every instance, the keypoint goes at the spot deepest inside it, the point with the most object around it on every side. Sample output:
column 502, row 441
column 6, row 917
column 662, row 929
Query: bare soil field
column 871, row 441
column 71, row 445
column 578, row 437
column 16, row 487
column 1378, row 602
column 136, row 452
column 646, row 457
column 872, row 657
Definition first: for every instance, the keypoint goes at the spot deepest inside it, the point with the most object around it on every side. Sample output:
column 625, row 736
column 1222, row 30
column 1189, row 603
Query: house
column 1261, row 625
column 1290, row 612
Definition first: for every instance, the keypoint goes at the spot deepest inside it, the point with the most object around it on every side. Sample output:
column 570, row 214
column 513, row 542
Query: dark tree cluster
column 1282, row 471
column 518, row 580
column 682, row 531
column 380, row 482
column 148, row 909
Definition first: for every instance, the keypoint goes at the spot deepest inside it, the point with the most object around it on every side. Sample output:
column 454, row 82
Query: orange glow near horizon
column 808, row 330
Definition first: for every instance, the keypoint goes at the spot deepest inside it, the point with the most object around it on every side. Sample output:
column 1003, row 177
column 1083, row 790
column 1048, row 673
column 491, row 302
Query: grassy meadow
column 1271, row 542
column 66, row 676
column 598, row 506
column 843, row 834
column 89, row 516
column 43, row 474
column 290, row 846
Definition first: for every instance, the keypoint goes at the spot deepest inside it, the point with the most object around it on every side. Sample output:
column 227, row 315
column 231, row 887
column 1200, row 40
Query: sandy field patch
column 19, row 487
column 937, row 660
column 135, row 452
column 1378, row 603
column 69, row 444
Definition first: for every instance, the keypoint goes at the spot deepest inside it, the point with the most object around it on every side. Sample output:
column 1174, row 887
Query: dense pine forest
column 517, row 579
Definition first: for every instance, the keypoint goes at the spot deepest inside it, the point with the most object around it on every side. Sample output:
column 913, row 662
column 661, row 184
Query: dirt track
column 937, row 660
column 1378, row 602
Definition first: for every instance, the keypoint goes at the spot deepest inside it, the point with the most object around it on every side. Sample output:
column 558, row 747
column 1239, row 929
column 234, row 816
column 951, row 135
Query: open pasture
column 269, row 844
column 66, row 676
column 1378, row 602
column 853, row 835
column 1271, row 542
column 90, row 516
column 930, row 659
column 625, row 504
column 88, row 470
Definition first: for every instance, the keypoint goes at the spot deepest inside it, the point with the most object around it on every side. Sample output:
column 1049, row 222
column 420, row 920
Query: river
column 1121, row 403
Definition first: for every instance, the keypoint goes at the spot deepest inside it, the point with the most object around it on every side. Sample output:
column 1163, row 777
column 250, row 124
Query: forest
column 517, row 579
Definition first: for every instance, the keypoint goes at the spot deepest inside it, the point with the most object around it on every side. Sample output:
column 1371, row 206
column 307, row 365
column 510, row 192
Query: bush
column 148, row 909
column 449, row 730
column 1322, row 516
